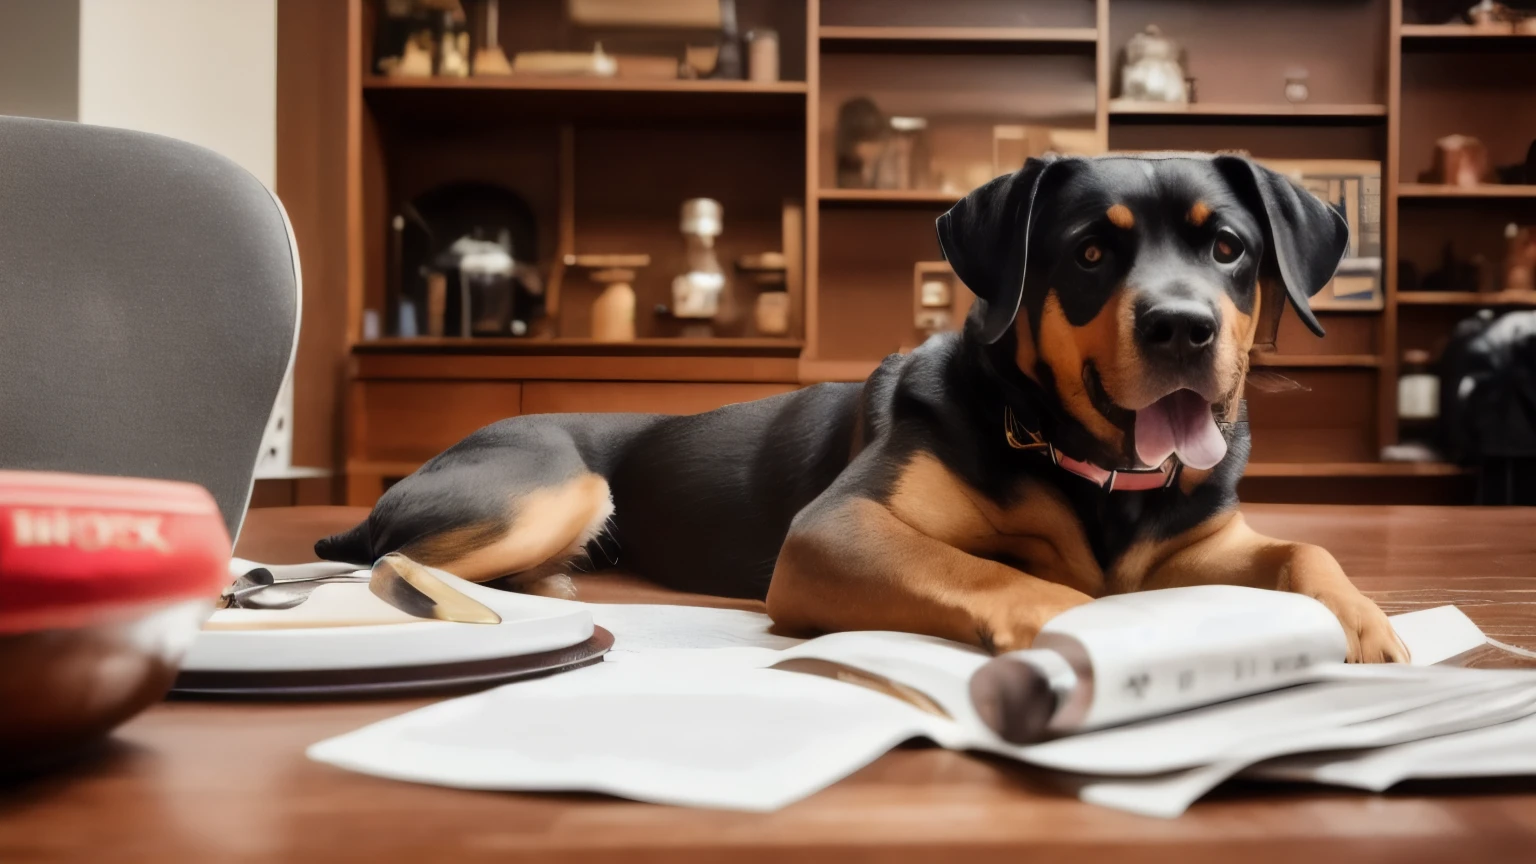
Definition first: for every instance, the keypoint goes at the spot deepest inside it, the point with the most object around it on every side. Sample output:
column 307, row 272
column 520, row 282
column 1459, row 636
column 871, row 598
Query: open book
column 1187, row 687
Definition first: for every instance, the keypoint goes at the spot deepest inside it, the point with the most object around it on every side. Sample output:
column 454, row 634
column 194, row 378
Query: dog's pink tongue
column 1181, row 423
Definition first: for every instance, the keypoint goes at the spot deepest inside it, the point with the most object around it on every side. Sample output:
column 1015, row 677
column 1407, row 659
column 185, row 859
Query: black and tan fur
column 898, row 503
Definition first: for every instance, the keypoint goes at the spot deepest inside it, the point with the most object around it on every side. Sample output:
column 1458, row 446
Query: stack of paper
column 695, row 713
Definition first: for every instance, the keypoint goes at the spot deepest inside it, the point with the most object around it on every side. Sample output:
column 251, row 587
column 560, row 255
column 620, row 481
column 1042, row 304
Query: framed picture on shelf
column 1355, row 288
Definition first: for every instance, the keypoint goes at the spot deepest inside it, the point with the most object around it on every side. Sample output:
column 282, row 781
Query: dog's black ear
column 985, row 239
column 1306, row 238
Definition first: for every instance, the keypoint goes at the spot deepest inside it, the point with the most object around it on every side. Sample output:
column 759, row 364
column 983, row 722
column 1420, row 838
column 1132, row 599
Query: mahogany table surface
column 228, row 782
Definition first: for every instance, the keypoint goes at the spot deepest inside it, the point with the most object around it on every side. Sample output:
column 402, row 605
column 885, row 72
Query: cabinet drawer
column 415, row 420
column 553, row 397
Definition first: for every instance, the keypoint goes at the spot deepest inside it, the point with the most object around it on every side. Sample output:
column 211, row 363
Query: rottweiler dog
column 1083, row 435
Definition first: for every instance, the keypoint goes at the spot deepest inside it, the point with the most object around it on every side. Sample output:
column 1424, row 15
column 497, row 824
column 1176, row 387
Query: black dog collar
column 1021, row 437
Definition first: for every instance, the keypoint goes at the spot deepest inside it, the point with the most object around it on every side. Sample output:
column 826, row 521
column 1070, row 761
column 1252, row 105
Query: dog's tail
column 353, row 546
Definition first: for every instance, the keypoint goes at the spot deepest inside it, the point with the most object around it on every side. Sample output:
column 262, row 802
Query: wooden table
column 220, row 782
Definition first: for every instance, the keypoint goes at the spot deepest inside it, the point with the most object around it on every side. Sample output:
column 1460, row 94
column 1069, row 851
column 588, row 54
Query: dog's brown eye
column 1090, row 254
column 1228, row 248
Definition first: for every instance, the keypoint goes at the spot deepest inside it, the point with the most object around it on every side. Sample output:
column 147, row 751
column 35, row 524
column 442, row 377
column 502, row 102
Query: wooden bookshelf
column 605, row 162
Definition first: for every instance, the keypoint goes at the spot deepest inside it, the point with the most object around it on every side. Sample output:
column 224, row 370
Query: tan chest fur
column 1040, row 533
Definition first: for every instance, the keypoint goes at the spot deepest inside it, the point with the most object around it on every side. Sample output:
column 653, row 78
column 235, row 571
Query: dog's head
column 1135, row 288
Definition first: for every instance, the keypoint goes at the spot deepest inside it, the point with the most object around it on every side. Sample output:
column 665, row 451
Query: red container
column 104, row 581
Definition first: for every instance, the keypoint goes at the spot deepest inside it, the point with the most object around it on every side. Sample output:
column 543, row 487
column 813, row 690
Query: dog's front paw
column 1012, row 625
column 1370, row 634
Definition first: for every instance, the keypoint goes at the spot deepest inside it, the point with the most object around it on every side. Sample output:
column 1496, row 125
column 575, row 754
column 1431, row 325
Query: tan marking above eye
column 1121, row 216
column 1199, row 213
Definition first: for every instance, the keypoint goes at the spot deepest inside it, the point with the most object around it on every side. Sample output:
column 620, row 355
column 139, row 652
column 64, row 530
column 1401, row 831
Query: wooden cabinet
column 605, row 164
column 409, row 403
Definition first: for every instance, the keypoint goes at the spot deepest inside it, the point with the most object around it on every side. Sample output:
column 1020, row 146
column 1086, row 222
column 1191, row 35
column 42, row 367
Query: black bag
column 1488, row 404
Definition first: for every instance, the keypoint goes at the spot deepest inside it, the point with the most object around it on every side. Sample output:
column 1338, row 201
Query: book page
column 694, row 735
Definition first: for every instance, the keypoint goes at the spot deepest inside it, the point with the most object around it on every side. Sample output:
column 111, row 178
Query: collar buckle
column 1021, row 437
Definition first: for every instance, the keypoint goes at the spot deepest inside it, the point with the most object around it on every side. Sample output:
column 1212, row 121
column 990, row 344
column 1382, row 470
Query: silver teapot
column 1152, row 71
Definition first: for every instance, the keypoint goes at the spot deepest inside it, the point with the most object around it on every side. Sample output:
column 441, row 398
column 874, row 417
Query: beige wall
column 203, row 71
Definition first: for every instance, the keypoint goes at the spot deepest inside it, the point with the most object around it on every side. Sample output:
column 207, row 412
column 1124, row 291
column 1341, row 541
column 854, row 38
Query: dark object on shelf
column 438, row 219
column 1460, row 160
column 1522, row 172
column 728, row 65
column 862, row 130
column 485, row 290
column 1407, row 275
column 1488, row 401
column 1455, row 274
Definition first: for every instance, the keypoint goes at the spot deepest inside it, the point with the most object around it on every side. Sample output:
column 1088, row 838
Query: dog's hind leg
column 543, row 531
column 517, row 501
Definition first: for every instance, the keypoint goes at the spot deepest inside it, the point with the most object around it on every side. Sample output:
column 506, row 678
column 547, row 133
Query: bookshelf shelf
column 1432, row 190
column 839, row 38
column 1354, row 469
column 1318, row 361
column 1466, row 298
column 589, row 85
column 1422, row 32
column 888, row 196
column 1215, row 112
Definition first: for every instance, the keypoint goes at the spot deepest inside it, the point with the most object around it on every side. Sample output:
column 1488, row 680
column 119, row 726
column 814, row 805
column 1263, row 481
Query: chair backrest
column 149, row 298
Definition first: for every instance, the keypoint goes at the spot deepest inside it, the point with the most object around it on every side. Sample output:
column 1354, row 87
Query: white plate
column 296, row 640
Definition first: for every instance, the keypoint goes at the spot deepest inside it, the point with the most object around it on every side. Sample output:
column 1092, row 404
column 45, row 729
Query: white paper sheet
column 1436, row 635
column 1502, row 750
column 648, row 627
column 709, row 726
column 705, row 737
column 1171, row 795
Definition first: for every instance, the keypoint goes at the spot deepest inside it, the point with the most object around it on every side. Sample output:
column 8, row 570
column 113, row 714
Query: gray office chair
column 149, row 302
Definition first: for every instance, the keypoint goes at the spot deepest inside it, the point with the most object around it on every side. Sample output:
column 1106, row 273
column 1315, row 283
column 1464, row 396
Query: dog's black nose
column 1176, row 329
